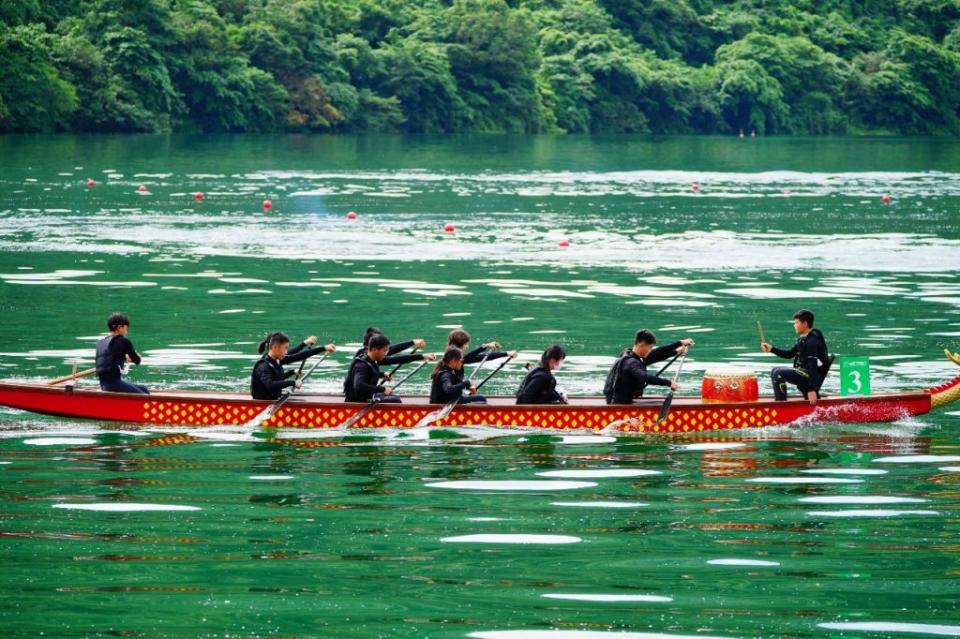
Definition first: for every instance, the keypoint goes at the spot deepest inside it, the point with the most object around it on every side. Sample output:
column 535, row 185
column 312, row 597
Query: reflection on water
column 448, row 533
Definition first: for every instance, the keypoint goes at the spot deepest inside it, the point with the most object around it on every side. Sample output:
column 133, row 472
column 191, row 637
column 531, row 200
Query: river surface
column 817, row 531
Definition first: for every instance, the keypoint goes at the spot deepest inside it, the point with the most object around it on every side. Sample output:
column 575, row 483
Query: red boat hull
column 318, row 411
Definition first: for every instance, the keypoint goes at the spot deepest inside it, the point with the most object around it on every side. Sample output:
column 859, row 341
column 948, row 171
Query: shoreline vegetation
column 770, row 67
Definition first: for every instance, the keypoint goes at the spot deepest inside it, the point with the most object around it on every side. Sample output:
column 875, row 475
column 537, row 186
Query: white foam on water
column 712, row 446
column 946, row 469
column 60, row 441
column 4, row 463
column 861, row 499
column 606, row 598
column 580, row 634
column 270, row 477
column 513, row 485
column 917, row 459
column 223, row 445
column 600, row 504
column 844, row 471
column 125, row 507
column 599, row 473
column 893, row 626
column 585, row 439
column 487, row 519
column 512, row 539
column 869, row 512
column 742, row 562
column 803, row 480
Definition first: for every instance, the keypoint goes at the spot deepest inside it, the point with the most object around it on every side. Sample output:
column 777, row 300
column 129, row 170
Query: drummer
column 628, row 376
column 810, row 360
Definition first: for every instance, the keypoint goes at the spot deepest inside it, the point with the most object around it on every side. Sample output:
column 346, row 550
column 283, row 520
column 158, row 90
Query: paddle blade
column 665, row 409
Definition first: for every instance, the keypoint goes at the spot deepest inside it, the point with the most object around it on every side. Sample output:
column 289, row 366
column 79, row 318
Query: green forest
column 800, row 67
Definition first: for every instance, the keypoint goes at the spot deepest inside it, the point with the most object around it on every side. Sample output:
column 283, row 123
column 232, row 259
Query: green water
column 364, row 536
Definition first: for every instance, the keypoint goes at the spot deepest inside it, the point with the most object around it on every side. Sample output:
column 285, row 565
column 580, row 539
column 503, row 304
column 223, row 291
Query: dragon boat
column 687, row 414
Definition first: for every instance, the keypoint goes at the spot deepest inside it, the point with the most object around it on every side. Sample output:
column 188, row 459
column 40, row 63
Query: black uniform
column 394, row 348
column 112, row 353
column 476, row 355
column 810, row 365
column 448, row 385
column 628, row 377
column 363, row 379
column 539, row 387
column 268, row 378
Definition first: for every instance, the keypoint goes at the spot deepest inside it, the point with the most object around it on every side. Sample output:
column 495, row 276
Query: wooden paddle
column 390, row 375
column 760, row 330
column 665, row 409
column 272, row 409
column 373, row 402
column 73, row 376
column 437, row 415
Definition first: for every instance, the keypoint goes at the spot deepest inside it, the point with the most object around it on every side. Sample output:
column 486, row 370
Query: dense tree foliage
column 662, row 66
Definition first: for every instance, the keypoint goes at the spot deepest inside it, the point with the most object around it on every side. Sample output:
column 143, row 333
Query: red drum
column 729, row 385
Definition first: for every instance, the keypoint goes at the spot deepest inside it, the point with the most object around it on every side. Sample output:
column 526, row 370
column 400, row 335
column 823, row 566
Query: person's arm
column 302, row 355
column 779, row 352
column 124, row 349
column 662, row 352
column 401, row 359
column 451, row 388
column 269, row 382
column 362, row 385
column 401, row 346
column 474, row 356
column 634, row 370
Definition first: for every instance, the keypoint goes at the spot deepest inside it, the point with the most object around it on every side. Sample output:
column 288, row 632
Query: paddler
column 540, row 386
column 362, row 383
column 416, row 343
column 268, row 378
column 459, row 338
column 113, row 351
column 810, row 360
column 448, row 382
column 628, row 376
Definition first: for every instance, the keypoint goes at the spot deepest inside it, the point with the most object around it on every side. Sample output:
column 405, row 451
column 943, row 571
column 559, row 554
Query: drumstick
column 760, row 329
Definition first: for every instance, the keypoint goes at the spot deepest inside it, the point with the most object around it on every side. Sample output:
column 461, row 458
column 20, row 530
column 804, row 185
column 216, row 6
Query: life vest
column 106, row 366
column 614, row 376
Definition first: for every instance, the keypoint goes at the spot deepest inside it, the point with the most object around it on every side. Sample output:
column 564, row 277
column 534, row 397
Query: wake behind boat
column 688, row 414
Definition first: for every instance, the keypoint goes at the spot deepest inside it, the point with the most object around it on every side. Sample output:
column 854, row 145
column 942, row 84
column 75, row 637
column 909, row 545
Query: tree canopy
column 438, row 66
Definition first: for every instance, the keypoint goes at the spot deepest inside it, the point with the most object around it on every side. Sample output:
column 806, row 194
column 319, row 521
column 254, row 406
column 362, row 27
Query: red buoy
column 563, row 243
column 267, row 205
column 91, row 183
column 885, row 199
column 449, row 228
column 198, row 196
column 142, row 188
column 351, row 215
column 695, row 187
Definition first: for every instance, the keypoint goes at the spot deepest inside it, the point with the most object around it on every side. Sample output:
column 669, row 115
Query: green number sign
column 854, row 375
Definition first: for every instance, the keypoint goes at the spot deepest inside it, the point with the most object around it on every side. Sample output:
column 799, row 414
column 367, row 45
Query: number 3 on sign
column 854, row 375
